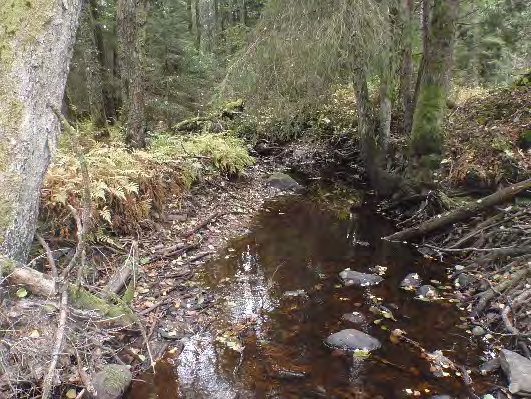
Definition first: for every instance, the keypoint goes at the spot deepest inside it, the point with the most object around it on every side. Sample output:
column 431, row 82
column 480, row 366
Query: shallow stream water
column 280, row 297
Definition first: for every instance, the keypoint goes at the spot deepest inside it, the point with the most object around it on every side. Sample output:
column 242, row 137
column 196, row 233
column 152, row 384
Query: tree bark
column 465, row 212
column 197, row 26
column 425, row 27
column 92, row 70
column 131, row 19
column 189, row 16
column 36, row 40
column 243, row 12
column 406, row 74
column 105, row 67
column 426, row 133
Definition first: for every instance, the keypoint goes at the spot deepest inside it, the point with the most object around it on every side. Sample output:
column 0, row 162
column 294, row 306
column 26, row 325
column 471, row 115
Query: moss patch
column 85, row 300
column 427, row 137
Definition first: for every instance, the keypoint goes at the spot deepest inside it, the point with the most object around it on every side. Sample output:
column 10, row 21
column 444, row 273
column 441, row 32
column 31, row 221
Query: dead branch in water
column 465, row 212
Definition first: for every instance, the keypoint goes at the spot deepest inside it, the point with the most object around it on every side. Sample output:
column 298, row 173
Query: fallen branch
column 486, row 296
column 48, row 381
column 440, row 221
column 49, row 255
column 202, row 224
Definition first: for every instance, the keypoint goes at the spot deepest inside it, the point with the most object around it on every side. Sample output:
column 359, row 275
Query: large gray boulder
column 518, row 370
column 112, row 381
column 353, row 339
column 283, row 182
column 358, row 279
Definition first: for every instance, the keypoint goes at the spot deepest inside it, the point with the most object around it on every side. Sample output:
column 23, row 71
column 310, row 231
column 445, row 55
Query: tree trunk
column 243, row 12
column 189, row 16
column 406, row 74
column 425, row 27
column 365, row 121
column 131, row 20
column 385, row 108
column 427, row 135
column 105, row 68
column 197, row 26
column 92, row 70
column 36, row 40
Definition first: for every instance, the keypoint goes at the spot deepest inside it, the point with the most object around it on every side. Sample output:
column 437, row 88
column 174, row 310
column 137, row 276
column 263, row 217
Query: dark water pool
column 269, row 344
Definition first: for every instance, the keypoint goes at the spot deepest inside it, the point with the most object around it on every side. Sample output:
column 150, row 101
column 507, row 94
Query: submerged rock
column 518, row 370
column 353, row 339
column 427, row 291
column 295, row 294
column 112, row 381
column 354, row 317
column 358, row 279
column 283, row 182
column 411, row 281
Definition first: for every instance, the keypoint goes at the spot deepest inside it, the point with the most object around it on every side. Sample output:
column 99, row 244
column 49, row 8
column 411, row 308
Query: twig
column 49, row 255
column 202, row 224
column 79, row 247
column 59, row 336
column 450, row 250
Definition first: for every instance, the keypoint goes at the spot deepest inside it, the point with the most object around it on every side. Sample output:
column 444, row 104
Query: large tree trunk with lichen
column 36, row 39
column 131, row 20
column 92, row 71
column 426, row 133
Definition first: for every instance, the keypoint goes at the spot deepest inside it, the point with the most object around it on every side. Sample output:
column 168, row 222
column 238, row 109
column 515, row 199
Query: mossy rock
column 112, row 381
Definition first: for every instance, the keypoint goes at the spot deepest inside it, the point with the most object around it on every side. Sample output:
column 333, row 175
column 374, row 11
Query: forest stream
column 280, row 296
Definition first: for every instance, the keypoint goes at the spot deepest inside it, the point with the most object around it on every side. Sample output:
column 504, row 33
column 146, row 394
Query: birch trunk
column 36, row 40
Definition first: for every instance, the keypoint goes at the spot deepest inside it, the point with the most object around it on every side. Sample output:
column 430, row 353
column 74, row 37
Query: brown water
column 298, row 243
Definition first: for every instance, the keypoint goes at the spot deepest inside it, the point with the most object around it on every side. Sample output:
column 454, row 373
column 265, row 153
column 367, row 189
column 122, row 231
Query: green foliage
column 494, row 43
column 301, row 49
column 126, row 186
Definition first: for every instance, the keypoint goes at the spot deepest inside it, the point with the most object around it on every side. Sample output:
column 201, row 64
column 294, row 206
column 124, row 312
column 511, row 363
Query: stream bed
column 279, row 298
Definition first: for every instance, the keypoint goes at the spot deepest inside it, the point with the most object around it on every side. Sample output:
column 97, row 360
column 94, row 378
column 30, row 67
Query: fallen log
column 40, row 284
column 465, row 212
column 189, row 125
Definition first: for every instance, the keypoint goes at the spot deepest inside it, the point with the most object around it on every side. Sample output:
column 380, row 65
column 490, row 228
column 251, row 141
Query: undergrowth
column 127, row 187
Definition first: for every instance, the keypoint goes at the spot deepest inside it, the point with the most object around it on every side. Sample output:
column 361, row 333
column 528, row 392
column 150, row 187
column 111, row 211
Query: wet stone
column 478, row 331
column 358, row 279
column 353, row 339
column 518, row 370
column 283, row 182
column 295, row 294
column 490, row 366
column 464, row 280
column 411, row 281
column 354, row 317
column 427, row 291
